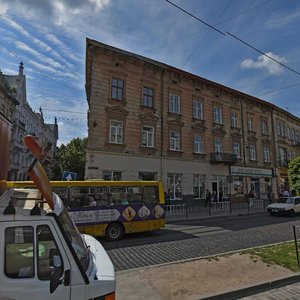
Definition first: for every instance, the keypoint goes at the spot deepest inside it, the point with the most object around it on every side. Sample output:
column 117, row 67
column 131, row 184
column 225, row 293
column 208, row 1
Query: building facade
column 7, row 108
column 26, row 121
column 151, row 121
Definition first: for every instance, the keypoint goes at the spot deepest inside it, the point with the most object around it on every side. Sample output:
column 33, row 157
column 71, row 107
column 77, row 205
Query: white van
column 43, row 255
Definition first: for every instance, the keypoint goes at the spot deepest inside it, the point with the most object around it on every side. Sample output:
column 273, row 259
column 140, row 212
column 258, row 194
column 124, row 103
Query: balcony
column 225, row 158
column 283, row 163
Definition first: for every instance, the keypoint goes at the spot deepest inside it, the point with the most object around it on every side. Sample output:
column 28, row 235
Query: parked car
column 290, row 206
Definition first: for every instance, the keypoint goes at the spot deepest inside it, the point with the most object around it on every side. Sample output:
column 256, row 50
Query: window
column 147, row 176
column 111, row 175
column 117, row 89
column 199, row 186
column 148, row 136
column 266, row 154
column 148, row 97
column 282, row 154
column 252, row 151
column 264, row 127
column 174, row 103
column 250, row 123
column 19, row 252
column 174, row 186
column 236, row 149
column 280, row 129
column 197, row 109
column 175, row 140
column 116, row 132
column 218, row 145
column 234, row 119
column 198, row 145
column 49, row 257
column 217, row 114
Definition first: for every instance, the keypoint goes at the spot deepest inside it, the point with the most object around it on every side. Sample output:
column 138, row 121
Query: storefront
column 245, row 179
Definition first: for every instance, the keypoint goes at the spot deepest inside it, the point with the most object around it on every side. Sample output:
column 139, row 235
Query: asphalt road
column 199, row 238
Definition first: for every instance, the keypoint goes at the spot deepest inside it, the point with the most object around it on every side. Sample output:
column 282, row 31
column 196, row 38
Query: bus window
column 79, row 197
column 134, row 194
column 117, row 195
column 100, row 194
column 63, row 193
column 150, row 195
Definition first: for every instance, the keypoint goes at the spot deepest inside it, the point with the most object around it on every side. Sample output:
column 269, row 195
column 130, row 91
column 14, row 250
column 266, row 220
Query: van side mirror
column 55, row 279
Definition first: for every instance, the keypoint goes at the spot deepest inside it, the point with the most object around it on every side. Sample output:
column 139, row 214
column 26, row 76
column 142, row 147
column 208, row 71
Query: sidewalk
column 233, row 276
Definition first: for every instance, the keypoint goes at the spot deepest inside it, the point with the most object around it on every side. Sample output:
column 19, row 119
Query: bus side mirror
column 55, row 279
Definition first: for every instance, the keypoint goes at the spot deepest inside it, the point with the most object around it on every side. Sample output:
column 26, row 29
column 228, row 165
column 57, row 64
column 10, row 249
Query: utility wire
column 204, row 37
column 237, row 38
column 266, row 55
column 279, row 89
column 63, row 111
column 193, row 16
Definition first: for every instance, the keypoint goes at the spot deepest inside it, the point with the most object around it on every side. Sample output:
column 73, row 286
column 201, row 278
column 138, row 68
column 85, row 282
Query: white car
column 290, row 206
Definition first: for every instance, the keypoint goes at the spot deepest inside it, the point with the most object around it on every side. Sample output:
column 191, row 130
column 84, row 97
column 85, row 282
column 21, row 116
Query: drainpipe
column 244, row 144
column 274, row 148
column 162, row 124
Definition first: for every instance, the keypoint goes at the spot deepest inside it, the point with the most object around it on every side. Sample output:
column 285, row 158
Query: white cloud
column 277, row 22
column 266, row 63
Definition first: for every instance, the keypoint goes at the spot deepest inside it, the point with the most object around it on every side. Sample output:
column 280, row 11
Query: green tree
column 294, row 174
column 71, row 157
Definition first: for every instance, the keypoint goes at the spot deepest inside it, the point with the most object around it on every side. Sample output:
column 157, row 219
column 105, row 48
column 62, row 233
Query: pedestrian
column 220, row 196
column 207, row 197
column 251, row 197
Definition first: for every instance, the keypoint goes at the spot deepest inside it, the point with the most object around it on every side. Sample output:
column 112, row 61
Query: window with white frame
column 264, row 127
column 174, row 103
column 148, row 136
column 198, row 144
column 199, row 186
column 218, row 145
column 250, row 123
column 267, row 157
column 148, row 96
column 236, row 149
column 197, row 109
column 252, row 152
column 280, row 129
column 282, row 155
column 117, row 89
column 111, row 175
column 234, row 119
column 175, row 140
column 174, row 186
column 218, row 114
column 116, row 132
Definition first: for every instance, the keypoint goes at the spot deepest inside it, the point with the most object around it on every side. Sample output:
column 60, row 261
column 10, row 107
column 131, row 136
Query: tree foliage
column 71, row 157
column 294, row 174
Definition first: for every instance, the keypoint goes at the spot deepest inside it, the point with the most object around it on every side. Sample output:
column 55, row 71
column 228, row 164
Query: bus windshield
column 75, row 239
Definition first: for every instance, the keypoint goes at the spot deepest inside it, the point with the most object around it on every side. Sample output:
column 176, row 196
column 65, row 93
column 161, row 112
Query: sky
column 223, row 41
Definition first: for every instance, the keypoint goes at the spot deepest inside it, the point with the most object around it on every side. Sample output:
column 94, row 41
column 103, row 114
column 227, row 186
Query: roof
column 91, row 42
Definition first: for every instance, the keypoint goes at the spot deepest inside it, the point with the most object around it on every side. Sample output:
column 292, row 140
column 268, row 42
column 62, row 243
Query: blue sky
column 49, row 37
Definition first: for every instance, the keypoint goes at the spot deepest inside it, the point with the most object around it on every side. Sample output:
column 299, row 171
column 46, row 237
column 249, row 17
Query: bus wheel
column 114, row 231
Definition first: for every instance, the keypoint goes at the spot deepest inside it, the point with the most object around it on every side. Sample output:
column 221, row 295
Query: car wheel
column 292, row 213
column 114, row 231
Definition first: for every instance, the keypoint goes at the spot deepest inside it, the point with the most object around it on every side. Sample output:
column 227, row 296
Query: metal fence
column 190, row 210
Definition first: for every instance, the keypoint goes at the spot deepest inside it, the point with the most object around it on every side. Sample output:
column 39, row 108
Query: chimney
column 21, row 68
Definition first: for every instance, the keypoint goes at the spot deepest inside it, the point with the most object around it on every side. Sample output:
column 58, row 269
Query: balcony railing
column 221, row 157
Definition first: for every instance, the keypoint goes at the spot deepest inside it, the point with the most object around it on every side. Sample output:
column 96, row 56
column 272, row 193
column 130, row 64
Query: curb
column 264, row 287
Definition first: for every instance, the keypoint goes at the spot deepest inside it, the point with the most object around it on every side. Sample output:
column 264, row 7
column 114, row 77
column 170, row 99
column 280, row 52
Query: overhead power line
column 193, row 16
column 261, row 52
column 237, row 38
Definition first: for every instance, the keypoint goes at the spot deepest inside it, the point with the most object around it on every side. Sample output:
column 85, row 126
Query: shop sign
column 253, row 172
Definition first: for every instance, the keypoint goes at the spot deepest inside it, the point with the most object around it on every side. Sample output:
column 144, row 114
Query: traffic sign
column 69, row 176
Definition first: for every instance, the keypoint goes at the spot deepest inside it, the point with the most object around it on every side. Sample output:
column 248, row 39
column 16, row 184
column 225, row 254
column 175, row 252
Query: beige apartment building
column 151, row 121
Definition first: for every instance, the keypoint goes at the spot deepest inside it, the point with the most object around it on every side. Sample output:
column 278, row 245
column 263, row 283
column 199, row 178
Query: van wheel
column 292, row 213
column 114, row 231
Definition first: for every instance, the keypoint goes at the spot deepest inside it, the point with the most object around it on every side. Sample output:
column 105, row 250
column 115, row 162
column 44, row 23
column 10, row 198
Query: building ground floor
column 186, row 180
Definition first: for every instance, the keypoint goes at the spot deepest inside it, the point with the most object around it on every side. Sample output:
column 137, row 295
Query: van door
column 30, row 253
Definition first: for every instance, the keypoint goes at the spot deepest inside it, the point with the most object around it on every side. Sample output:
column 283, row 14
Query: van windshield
column 75, row 239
